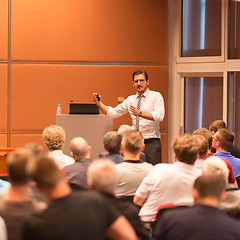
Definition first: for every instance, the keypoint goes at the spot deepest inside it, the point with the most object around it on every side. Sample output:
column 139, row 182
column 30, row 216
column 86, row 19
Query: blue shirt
column 235, row 162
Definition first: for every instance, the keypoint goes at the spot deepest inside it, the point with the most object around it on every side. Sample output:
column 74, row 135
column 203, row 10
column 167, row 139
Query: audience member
column 231, row 204
column 16, row 204
column 202, row 152
column 103, row 178
column 207, row 134
column 79, row 215
column 37, row 151
column 131, row 171
column 54, row 138
column 218, row 124
column 112, row 144
column 222, row 140
column 169, row 183
column 124, row 128
column 77, row 172
column 203, row 220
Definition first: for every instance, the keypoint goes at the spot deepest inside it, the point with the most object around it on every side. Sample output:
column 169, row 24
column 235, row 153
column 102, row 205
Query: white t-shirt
column 60, row 158
column 166, row 184
column 130, row 175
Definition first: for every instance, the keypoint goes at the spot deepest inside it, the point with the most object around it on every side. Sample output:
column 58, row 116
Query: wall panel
column 89, row 30
column 44, row 86
column 19, row 140
column 3, row 140
column 3, row 97
column 3, row 29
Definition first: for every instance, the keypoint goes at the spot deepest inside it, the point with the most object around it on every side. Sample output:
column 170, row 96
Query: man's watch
column 140, row 114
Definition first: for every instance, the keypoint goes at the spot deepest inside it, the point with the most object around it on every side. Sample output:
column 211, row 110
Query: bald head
column 102, row 176
column 80, row 148
column 216, row 166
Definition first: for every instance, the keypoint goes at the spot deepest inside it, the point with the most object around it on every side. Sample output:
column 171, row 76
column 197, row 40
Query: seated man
column 77, row 172
column 131, row 171
column 17, row 204
column 203, row 220
column 112, row 144
column 214, row 127
column 169, row 183
column 231, row 203
column 121, row 131
column 207, row 134
column 54, row 138
column 222, row 140
column 103, row 178
column 79, row 215
column 203, row 148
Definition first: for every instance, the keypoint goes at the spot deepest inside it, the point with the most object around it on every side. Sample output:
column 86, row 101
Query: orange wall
column 68, row 49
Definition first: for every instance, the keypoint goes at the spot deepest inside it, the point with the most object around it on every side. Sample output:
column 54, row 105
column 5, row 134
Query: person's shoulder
column 153, row 93
column 162, row 166
column 160, row 170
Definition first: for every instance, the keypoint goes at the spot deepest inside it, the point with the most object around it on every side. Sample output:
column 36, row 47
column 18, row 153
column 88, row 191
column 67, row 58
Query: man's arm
column 134, row 111
column 121, row 229
column 138, row 200
column 101, row 106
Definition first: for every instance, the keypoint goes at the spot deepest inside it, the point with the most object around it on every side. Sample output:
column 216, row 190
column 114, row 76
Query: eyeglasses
column 139, row 80
column 214, row 138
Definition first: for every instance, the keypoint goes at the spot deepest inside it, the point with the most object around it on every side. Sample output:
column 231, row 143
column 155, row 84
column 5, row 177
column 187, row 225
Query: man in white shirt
column 170, row 183
column 146, row 108
column 54, row 138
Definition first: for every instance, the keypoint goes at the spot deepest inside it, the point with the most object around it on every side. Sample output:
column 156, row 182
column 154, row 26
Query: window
column 202, row 102
column 234, row 30
column 201, row 28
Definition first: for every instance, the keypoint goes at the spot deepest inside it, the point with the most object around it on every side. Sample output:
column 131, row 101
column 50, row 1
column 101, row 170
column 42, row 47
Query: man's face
column 215, row 142
column 140, row 83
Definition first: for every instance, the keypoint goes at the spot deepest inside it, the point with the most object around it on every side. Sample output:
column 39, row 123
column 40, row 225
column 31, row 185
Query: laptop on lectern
column 83, row 108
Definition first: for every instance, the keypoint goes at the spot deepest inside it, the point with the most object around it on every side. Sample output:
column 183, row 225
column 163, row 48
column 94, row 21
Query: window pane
column 234, row 105
column 234, row 30
column 201, row 28
column 203, row 102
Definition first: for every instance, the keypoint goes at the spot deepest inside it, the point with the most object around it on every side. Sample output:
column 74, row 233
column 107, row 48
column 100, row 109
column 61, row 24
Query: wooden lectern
column 90, row 127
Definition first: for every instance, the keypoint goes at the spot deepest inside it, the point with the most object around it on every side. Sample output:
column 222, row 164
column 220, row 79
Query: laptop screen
column 83, row 108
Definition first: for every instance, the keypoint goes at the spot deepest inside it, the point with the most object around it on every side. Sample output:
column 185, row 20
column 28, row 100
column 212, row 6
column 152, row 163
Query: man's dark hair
column 217, row 124
column 210, row 185
column 205, row 133
column 225, row 137
column 138, row 72
column 186, row 148
column 112, row 142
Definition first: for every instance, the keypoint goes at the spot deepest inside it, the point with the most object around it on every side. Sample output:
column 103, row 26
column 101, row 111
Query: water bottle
column 59, row 109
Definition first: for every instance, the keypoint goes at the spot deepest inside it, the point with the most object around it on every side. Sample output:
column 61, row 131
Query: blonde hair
column 133, row 141
column 54, row 137
column 186, row 148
